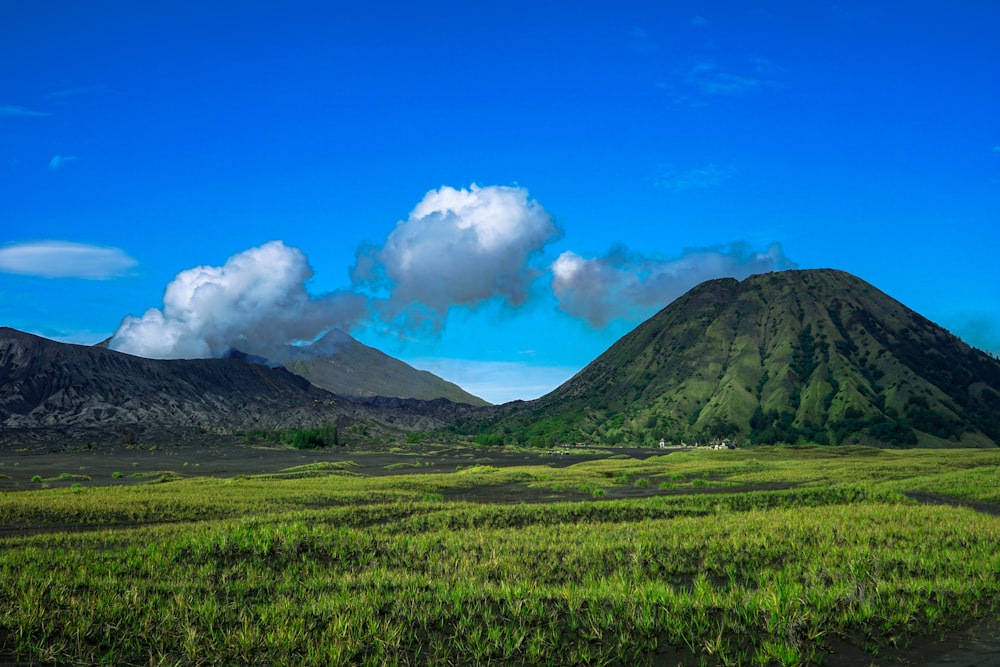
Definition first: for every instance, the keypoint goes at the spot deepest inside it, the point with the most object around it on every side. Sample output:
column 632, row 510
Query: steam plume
column 256, row 300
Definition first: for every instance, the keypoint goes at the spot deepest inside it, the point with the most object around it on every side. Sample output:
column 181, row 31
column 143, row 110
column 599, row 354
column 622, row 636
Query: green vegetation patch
column 403, row 466
column 343, row 570
column 318, row 469
column 304, row 438
column 63, row 477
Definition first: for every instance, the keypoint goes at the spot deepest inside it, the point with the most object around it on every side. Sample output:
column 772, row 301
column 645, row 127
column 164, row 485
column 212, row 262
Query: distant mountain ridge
column 791, row 356
column 795, row 356
column 46, row 384
column 341, row 364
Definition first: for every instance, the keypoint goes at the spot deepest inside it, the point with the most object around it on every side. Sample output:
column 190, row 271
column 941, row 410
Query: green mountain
column 343, row 365
column 794, row 356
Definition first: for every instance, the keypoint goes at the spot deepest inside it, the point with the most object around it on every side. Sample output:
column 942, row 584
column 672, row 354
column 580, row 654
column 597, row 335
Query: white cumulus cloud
column 256, row 300
column 625, row 284
column 65, row 259
column 457, row 247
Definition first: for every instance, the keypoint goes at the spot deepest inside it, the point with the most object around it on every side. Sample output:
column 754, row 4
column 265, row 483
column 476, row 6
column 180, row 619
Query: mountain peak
column 343, row 365
column 802, row 355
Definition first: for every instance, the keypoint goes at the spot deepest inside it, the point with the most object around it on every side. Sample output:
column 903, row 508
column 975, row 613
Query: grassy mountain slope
column 817, row 355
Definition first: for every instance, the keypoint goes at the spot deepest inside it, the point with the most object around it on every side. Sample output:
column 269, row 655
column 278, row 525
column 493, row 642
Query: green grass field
column 783, row 556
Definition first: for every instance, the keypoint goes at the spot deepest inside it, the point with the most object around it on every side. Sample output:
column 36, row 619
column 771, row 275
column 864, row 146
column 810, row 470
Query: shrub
column 489, row 440
column 312, row 438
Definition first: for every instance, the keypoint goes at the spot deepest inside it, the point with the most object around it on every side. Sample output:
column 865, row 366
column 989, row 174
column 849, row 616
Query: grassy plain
column 787, row 556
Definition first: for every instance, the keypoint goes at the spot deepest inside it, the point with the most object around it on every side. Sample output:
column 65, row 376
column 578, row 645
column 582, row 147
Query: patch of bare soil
column 975, row 645
column 58, row 465
column 951, row 501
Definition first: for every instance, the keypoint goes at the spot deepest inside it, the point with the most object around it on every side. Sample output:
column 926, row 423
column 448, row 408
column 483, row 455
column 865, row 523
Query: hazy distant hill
column 818, row 356
column 341, row 364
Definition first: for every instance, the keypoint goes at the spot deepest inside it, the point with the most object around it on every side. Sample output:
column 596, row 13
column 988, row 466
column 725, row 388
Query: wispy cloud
column 59, row 161
column 696, row 82
column 65, row 259
column 708, row 78
column 629, row 285
column 14, row 111
column 698, row 178
column 640, row 40
column 75, row 92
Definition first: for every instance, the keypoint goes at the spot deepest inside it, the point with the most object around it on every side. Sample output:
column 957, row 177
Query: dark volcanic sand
column 19, row 465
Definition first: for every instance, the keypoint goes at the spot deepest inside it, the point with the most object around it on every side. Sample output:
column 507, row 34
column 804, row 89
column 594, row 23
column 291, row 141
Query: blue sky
column 493, row 192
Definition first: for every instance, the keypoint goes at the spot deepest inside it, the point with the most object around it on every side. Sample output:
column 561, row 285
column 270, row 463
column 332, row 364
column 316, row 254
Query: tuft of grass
column 623, row 477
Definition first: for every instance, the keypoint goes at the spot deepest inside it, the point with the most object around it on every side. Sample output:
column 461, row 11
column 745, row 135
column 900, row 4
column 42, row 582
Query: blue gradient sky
column 627, row 150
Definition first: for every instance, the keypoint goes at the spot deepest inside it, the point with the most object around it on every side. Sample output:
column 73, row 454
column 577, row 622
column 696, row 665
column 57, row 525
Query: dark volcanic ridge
column 49, row 385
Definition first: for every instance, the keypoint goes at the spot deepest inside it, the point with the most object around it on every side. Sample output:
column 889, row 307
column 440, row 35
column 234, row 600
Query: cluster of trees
column 642, row 428
column 298, row 438
column 646, row 428
column 771, row 427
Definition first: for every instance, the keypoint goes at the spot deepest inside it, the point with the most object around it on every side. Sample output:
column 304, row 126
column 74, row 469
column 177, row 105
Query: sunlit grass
column 315, row 566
